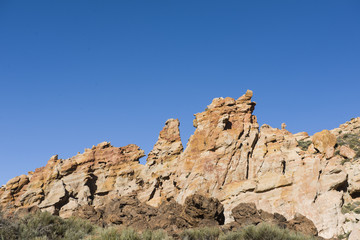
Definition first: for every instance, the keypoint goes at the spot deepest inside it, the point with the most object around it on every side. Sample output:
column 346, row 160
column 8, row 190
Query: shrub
column 129, row 234
column 304, row 145
column 108, row 234
column 357, row 211
column 200, row 234
column 8, row 229
column 265, row 231
column 43, row 225
column 155, row 235
column 344, row 236
column 77, row 229
column 232, row 236
column 350, row 207
column 344, row 161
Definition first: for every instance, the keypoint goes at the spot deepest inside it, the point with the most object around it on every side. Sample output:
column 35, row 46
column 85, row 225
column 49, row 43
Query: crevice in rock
column 250, row 153
column 102, row 193
column 228, row 125
column 247, row 165
column 240, row 135
column 266, row 151
column 254, row 143
column 342, row 186
column 62, row 202
column 283, row 165
column 355, row 194
column 152, row 194
column 316, row 196
column 320, row 172
column 176, row 186
column 157, row 184
column 91, row 183
column 221, row 218
column 259, row 169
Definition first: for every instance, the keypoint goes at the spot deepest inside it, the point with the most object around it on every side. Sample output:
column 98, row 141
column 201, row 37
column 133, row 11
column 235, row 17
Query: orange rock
column 324, row 141
column 227, row 157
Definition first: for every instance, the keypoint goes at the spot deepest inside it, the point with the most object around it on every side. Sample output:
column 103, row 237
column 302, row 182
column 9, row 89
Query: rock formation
column 229, row 158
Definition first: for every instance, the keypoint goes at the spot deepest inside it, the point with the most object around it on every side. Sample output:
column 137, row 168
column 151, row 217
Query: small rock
column 347, row 152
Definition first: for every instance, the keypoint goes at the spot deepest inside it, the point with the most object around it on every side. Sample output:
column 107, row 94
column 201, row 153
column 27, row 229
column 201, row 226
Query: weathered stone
column 301, row 224
column 355, row 233
column 270, row 181
column 228, row 158
column 247, row 214
column 168, row 145
column 324, row 140
column 347, row 152
column 200, row 207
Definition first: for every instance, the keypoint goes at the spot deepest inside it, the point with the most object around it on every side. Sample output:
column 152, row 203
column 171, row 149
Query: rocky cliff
column 229, row 157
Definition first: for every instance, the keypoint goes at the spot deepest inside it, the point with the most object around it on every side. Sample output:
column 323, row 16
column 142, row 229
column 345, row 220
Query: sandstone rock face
column 63, row 185
column 161, row 165
column 219, row 152
column 229, row 158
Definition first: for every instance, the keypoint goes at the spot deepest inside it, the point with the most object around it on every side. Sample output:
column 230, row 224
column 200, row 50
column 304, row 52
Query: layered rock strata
column 229, row 157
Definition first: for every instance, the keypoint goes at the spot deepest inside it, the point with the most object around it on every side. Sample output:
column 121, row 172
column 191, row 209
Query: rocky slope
column 229, row 157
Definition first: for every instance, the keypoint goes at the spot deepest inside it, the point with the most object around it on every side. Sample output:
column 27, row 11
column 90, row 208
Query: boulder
column 302, row 224
column 324, row 141
column 347, row 152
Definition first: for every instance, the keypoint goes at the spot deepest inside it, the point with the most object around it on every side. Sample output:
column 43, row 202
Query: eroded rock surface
column 128, row 211
column 229, row 158
column 197, row 211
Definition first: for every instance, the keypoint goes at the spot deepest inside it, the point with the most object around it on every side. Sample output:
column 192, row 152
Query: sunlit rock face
column 229, row 157
column 219, row 152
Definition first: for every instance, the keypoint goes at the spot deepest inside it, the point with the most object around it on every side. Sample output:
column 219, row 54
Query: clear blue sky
column 76, row 73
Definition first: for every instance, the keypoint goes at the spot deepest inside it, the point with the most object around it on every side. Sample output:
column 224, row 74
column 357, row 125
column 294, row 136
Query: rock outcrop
column 310, row 179
column 197, row 211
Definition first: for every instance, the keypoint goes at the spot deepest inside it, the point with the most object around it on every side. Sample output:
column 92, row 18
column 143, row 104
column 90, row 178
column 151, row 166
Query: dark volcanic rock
column 302, row 224
column 89, row 213
column 130, row 212
column 247, row 214
column 206, row 210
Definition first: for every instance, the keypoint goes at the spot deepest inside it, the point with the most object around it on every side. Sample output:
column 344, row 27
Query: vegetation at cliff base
column 44, row 226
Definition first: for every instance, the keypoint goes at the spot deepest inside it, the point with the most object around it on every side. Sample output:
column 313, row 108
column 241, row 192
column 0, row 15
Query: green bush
column 271, row 232
column 304, row 145
column 8, row 229
column 77, row 229
column 264, row 231
column 44, row 225
column 351, row 207
column 155, row 235
column 231, row 236
column 200, row 234
column 107, row 234
column 344, row 161
column 129, row 234
column 344, row 236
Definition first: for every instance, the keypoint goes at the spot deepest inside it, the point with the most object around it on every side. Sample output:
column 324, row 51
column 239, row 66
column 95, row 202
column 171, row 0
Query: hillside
column 229, row 159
